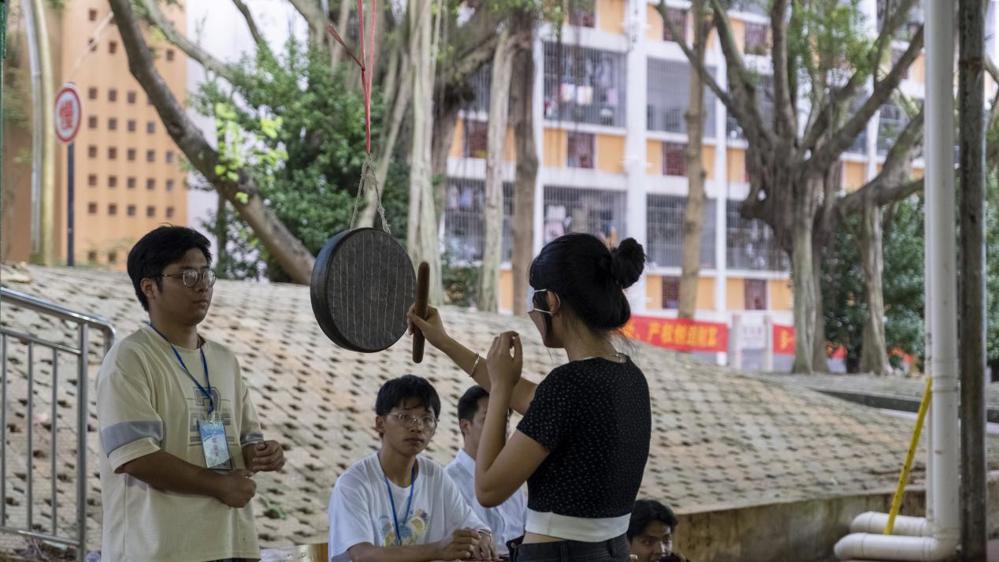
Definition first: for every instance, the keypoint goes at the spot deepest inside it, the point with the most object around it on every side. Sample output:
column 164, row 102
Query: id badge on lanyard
column 214, row 442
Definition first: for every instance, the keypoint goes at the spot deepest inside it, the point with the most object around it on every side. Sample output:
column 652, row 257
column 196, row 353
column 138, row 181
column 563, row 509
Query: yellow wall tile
column 610, row 15
column 555, row 148
column 853, row 175
column 610, row 153
column 654, row 292
column 735, row 294
column 781, row 296
column 736, row 165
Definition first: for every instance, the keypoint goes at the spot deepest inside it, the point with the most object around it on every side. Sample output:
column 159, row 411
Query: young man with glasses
column 396, row 505
column 179, row 433
column 650, row 533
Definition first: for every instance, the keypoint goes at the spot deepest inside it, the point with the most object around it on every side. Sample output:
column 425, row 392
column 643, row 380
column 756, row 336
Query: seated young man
column 650, row 533
column 507, row 519
column 396, row 505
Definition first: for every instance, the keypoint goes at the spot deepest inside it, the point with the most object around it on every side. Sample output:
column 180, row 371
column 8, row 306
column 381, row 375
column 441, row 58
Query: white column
column 634, row 145
column 538, row 114
column 721, row 203
column 870, row 11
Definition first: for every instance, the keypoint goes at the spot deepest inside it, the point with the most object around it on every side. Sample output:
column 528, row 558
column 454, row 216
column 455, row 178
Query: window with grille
column 150, row 184
column 676, row 18
column 581, row 150
column 112, row 209
column 112, row 47
column 130, row 97
column 664, row 231
column 169, row 185
column 584, row 85
column 130, row 211
column 169, row 212
column 112, row 182
column 764, row 104
column 479, row 96
column 583, row 16
column 476, row 138
column 92, row 256
column 859, row 145
column 112, row 124
column 92, row 93
column 668, row 97
column 150, row 156
column 674, row 159
column 892, row 121
column 756, row 294
column 92, row 15
column 756, row 39
column 112, row 153
column 671, row 293
column 92, row 122
column 750, row 243
column 169, row 55
column 150, row 127
column 92, row 180
column 131, row 125
column 92, row 208
column 150, row 212
column 130, row 183
column 168, row 156
column 594, row 211
column 91, row 151
column 464, row 229
column 112, row 95
column 130, row 154
column 112, row 257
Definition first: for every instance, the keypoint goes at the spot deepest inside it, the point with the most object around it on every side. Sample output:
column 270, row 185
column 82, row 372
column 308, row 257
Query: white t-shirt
column 360, row 510
column 506, row 520
column 147, row 403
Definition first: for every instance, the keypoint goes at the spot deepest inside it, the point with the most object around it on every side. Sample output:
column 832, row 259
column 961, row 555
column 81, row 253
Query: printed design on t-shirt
column 412, row 532
column 197, row 409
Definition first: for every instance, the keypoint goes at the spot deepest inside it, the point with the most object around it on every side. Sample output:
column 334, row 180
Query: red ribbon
column 365, row 63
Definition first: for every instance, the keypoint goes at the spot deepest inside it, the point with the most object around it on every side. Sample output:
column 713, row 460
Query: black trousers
column 613, row 550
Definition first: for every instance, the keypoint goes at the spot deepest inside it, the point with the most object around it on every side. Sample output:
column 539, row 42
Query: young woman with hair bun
column 583, row 442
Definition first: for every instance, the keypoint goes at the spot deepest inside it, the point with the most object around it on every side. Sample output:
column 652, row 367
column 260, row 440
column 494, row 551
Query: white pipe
column 939, row 197
column 868, row 546
column 37, row 126
column 873, row 522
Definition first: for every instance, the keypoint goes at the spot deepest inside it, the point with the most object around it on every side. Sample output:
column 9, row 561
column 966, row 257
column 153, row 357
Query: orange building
column 128, row 172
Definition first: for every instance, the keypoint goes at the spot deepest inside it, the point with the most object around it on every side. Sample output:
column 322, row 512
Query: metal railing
column 83, row 323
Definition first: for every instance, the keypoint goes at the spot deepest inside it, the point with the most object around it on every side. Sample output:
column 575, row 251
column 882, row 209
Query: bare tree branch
column 243, row 193
column 859, row 77
column 890, row 184
column 740, row 80
column 154, row 16
column 783, row 106
column 826, row 154
column 258, row 38
column 698, row 66
column 314, row 16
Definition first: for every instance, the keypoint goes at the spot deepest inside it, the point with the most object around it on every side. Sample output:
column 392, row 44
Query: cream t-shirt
column 147, row 403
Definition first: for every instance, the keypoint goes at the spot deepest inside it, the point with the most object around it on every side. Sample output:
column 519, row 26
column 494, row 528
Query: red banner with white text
column 678, row 334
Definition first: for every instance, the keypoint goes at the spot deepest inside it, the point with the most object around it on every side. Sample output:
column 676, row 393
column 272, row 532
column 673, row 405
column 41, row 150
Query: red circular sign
column 68, row 113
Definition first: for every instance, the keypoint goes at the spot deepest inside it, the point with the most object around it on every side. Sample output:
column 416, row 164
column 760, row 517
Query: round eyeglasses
column 192, row 277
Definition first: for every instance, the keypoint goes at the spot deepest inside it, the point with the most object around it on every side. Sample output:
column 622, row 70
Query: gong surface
column 362, row 286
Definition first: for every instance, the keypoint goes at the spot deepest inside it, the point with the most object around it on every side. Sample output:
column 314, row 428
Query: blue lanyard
column 206, row 392
column 409, row 504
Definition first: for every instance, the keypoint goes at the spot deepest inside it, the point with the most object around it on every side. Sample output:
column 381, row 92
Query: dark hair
column 468, row 404
column 589, row 277
column 396, row 391
column 647, row 511
column 160, row 248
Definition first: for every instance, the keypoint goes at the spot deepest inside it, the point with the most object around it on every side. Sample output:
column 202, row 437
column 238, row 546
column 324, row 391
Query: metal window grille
column 477, row 97
column 676, row 18
column 671, row 292
column 464, row 230
column 756, row 39
column 750, row 243
column 581, row 150
column 755, row 294
column 668, row 95
column 674, row 159
column 893, row 119
column 584, row 85
column 593, row 211
column 583, row 16
column 758, row 7
column 664, row 233
column 859, row 145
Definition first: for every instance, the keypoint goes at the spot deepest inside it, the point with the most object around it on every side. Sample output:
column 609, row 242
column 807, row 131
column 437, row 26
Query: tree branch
column 830, row 151
column 783, row 107
column 698, row 65
column 313, row 15
column 243, row 193
column 890, row 184
column 258, row 38
column 859, row 77
column 155, row 17
column 740, row 82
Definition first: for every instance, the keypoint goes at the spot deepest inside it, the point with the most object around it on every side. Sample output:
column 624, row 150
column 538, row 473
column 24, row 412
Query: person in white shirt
column 507, row 519
column 395, row 505
column 179, row 434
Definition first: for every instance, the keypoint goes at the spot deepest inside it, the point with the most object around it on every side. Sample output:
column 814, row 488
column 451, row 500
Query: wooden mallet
column 422, row 295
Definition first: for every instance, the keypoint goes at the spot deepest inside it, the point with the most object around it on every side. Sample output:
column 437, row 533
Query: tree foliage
column 293, row 122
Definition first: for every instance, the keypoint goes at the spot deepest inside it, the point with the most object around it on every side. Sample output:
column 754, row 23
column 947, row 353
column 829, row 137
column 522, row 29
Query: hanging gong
column 362, row 286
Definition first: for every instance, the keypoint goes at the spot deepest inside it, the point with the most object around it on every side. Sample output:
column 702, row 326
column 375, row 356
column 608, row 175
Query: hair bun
column 627, row 262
